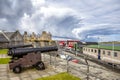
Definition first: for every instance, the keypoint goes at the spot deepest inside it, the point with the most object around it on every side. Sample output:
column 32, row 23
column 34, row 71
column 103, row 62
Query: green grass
column 4, row 60
column 60, row 76
column 3, row 51
column 116, row 48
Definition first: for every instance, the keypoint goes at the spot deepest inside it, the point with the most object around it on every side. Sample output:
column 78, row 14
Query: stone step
column 4, row 56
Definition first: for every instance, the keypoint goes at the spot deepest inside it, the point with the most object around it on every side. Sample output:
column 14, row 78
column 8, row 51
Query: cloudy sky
column 88, row 20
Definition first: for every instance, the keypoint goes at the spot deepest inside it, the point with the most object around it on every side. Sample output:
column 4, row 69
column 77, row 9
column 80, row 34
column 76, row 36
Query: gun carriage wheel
column 17, row 69
column 40, row 66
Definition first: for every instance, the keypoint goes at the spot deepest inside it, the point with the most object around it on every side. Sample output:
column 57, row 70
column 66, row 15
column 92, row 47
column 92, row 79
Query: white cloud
column 55, row 11
column 103, row 38
column 45, row 18
column 84, row 28
column 3, row 20
column 26, row 24
column 71, row 18
column 38, row 3
column 87, row 29
column 47, row 14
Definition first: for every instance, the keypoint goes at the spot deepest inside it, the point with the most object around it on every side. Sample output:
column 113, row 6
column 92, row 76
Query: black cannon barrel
column 19, row 46
column 23, row 51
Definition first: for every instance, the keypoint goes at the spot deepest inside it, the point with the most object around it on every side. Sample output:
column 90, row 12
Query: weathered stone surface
column 3, row 74
column 3, row 66
column 15, row 78
column 3, row 78
column 24, row 75
column 11, row 74
column 78, row 70
column 51, row 73
column 26, row 78
column 29, row 74
column 45, row 75
column 35, row 76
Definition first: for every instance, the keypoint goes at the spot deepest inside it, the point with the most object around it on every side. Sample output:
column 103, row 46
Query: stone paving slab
column 27, row 78
column 4, row 56
column 24, row 75
column 4, row 78
column 11, row 74
column 45, row 75
column 15, row 78
column 3, row 66
column 52, row 73
column 3, row 74
column 30, row 74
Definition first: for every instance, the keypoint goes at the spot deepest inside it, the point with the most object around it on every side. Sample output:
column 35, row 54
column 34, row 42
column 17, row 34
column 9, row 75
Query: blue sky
column 86, row 20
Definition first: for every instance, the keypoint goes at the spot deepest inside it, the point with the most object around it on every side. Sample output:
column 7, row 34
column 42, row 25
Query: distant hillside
column 115, row 42
column 116, row 48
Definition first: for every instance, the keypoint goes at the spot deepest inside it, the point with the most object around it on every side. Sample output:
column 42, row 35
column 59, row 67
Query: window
column 99, row 51
column 103, row 52
column 109, row 53
column 91, row 50
column 95, row 51
column 115, row 54
column 86, row 49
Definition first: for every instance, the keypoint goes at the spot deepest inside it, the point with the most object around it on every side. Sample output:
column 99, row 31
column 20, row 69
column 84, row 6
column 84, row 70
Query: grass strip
column 116, row 48
column 4, row 60
column 3, row 51
column 60, row 76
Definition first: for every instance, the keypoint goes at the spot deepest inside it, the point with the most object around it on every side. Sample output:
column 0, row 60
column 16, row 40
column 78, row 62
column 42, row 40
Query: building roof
column 73, row 40
column 15, row 33
column 116, row 48
column 3, row 38
column 7, row 36
column 90, row 43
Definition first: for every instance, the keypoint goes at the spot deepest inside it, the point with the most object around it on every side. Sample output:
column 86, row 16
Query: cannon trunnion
column 26, row 57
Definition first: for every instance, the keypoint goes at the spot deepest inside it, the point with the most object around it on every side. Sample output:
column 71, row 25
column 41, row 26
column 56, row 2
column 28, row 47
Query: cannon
column 23, row 51
column 27, row 57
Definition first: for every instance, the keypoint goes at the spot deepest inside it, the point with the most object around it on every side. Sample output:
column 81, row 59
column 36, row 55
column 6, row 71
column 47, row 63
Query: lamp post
column 113, row 47
column 99, row 52
column 98, row 42
column 100, row 39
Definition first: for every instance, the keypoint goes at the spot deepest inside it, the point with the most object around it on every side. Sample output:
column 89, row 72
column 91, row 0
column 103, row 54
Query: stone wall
column 106, row 55
column 45, row 39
